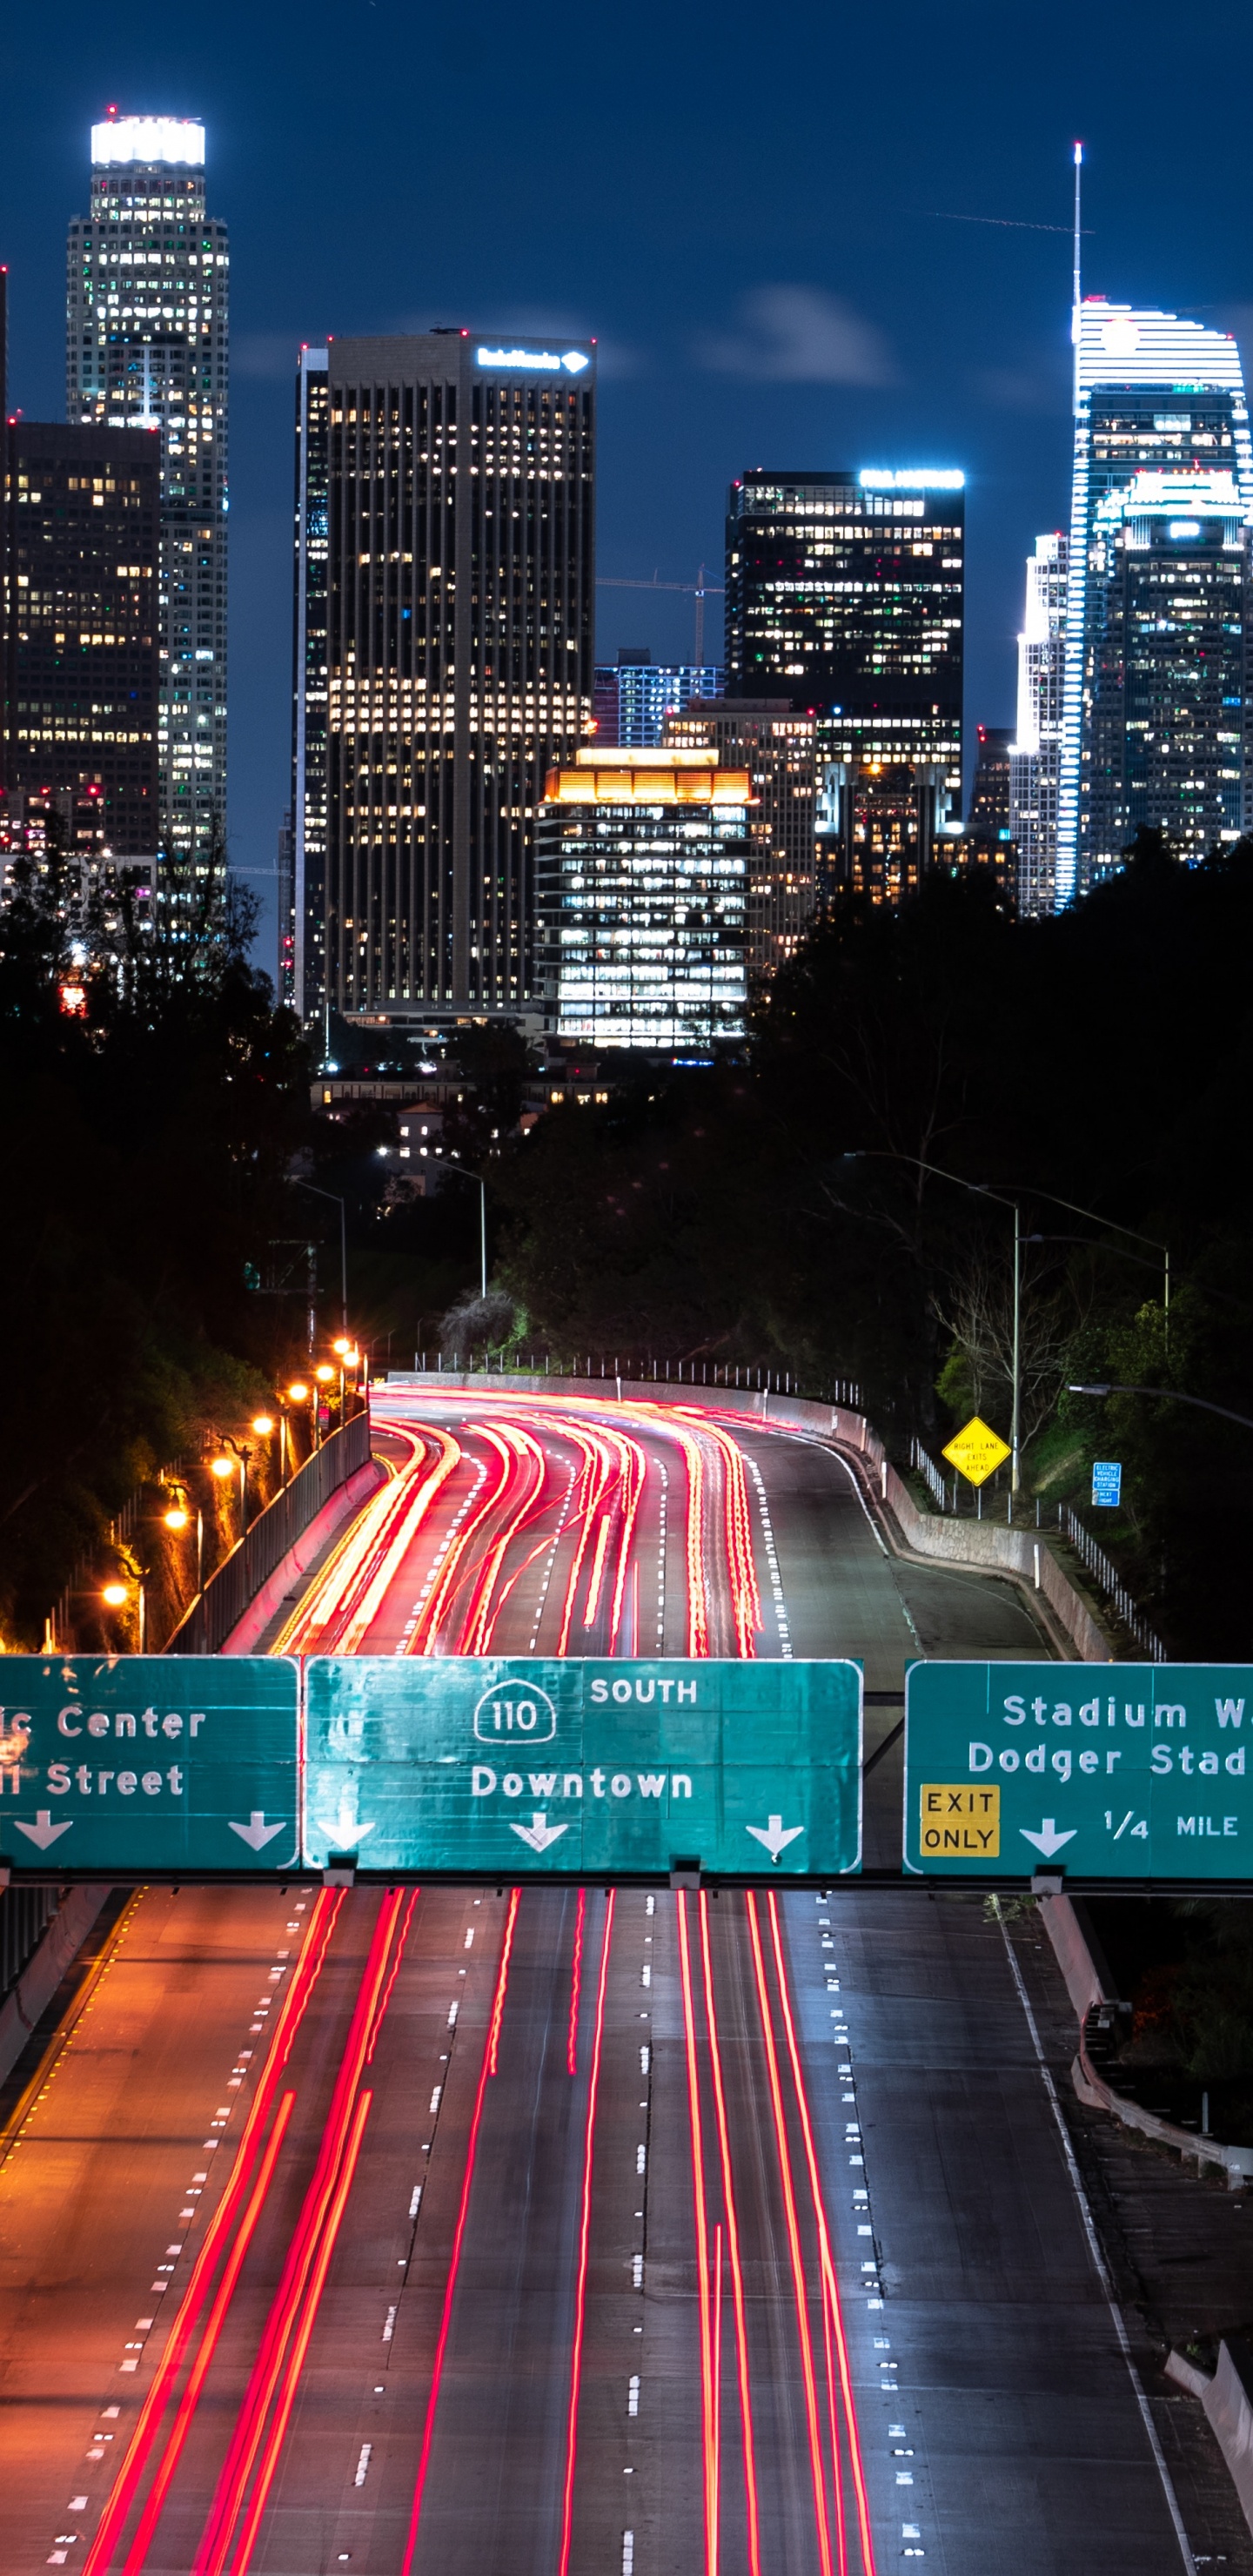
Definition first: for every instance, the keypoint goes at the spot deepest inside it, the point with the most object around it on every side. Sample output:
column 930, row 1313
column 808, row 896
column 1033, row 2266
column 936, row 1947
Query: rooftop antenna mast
column 1077, row 288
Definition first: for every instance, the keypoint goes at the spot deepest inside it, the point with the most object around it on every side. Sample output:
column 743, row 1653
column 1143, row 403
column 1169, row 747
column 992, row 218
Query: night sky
column 752, row 209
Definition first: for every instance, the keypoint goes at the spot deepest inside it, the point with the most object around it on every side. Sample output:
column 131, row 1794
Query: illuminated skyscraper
column 844, row 592
column 82, row 676
column 1161, row 438
column 147, row 348
column 1036, row 750
column 443, row 660
column 643, row 878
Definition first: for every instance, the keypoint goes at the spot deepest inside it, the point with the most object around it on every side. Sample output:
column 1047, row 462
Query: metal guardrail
column 645, row 1371
column 927, row 1468
column 1106, row 1573
column 239, row 1577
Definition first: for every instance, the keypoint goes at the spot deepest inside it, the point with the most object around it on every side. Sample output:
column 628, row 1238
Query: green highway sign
column 149, row 1762
column 1103, row 1770
column 483, row 1766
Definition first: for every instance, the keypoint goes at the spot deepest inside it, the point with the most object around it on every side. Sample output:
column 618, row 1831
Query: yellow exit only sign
column 958, row 1821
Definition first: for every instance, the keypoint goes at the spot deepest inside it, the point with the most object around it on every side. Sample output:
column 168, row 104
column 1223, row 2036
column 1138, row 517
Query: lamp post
column 221, row 1467
column 177, row 1519
column 476, row 1177
column 1166, row 1394
column 1111, row 1227
column 979, row 1190
column 115, row 1597
column 336, row 1201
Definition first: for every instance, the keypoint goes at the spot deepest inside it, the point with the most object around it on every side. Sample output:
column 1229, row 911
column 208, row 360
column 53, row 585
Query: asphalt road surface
column 461, row 2230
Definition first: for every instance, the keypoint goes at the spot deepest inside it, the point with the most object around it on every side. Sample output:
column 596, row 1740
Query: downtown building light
column 147, row 326
column 643, row 880
column 1153, row 394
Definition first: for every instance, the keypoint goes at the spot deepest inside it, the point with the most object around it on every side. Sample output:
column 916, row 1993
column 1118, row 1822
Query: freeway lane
column 786, row 2275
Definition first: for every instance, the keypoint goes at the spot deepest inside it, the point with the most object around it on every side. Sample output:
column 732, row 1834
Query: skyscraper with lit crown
column 1162, row 498
column 146, row 312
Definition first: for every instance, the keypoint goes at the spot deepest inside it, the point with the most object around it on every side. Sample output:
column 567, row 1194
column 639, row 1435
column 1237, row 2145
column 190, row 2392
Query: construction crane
column 699, row 590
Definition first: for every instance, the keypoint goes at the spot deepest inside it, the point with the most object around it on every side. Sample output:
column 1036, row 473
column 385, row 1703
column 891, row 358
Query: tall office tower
column 1153, row 396
column 1164, row 732
column 146, row 349
column 845, row 591
column 987, row 834
column 1036, row 750
column 643, row 876
column 632, row 699
column 82, row 677
column 778, row 751
column 443, row 661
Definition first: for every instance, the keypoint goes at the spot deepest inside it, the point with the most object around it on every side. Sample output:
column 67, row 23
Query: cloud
column 800, row 335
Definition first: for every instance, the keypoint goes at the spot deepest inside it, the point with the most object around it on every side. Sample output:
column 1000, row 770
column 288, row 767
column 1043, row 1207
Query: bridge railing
column 239, row 1577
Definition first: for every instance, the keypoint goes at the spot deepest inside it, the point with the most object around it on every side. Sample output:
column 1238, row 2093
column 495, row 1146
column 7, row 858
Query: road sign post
column 131, row 1763
column 479, row 1767
column 1140, row 1771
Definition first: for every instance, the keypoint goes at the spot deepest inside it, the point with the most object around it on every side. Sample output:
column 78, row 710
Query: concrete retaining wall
column 1228, row 2402
column 35, row 1988
column 1089, row 1987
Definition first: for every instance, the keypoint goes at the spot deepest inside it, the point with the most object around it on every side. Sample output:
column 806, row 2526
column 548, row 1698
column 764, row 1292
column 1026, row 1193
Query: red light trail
column 585, row 2223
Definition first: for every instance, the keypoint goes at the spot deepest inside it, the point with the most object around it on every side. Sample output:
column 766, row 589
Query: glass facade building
column 1164, row 726
column 443, row 661
column 146, row 348
column 643, row 882
column 82, row 677
column 1036, row 750
column 634, row 697
column 1154, row 396
column 846, row 592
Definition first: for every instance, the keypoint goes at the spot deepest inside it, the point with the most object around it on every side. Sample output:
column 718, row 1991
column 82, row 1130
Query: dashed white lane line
column 772, row 1562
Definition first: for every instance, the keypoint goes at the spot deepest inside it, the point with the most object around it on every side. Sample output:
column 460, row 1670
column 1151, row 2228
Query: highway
column 467, row 2230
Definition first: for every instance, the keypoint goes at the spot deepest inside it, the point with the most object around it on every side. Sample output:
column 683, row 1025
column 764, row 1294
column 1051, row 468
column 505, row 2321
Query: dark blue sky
column 749, row 206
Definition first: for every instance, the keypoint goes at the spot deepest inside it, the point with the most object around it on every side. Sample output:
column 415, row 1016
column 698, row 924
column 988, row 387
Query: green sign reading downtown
column 1103, row 1770
column 478, row 1766
column 149, row 1762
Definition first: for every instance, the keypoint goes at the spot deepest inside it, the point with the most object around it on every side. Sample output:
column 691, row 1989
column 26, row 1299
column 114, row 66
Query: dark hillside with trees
column 776, row 1209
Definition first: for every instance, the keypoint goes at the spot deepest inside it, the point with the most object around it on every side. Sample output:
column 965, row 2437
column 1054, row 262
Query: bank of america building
column 443, row 663
column 1154, row 713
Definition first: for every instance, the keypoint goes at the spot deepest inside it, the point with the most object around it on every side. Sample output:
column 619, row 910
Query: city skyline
column 948, row 309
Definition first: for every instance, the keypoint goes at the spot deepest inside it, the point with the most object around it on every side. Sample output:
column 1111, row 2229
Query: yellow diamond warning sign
column 960, row 1822
column 976, row 1451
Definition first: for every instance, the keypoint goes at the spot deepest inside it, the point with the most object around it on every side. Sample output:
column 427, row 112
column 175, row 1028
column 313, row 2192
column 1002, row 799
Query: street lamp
column 221, row 1467
column 462, row 1175
column 979, row 1190
column 1167, row 1394
column 115, row 1597
column 1112, row 1227
column 336, row 1201
column 178, row 1518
